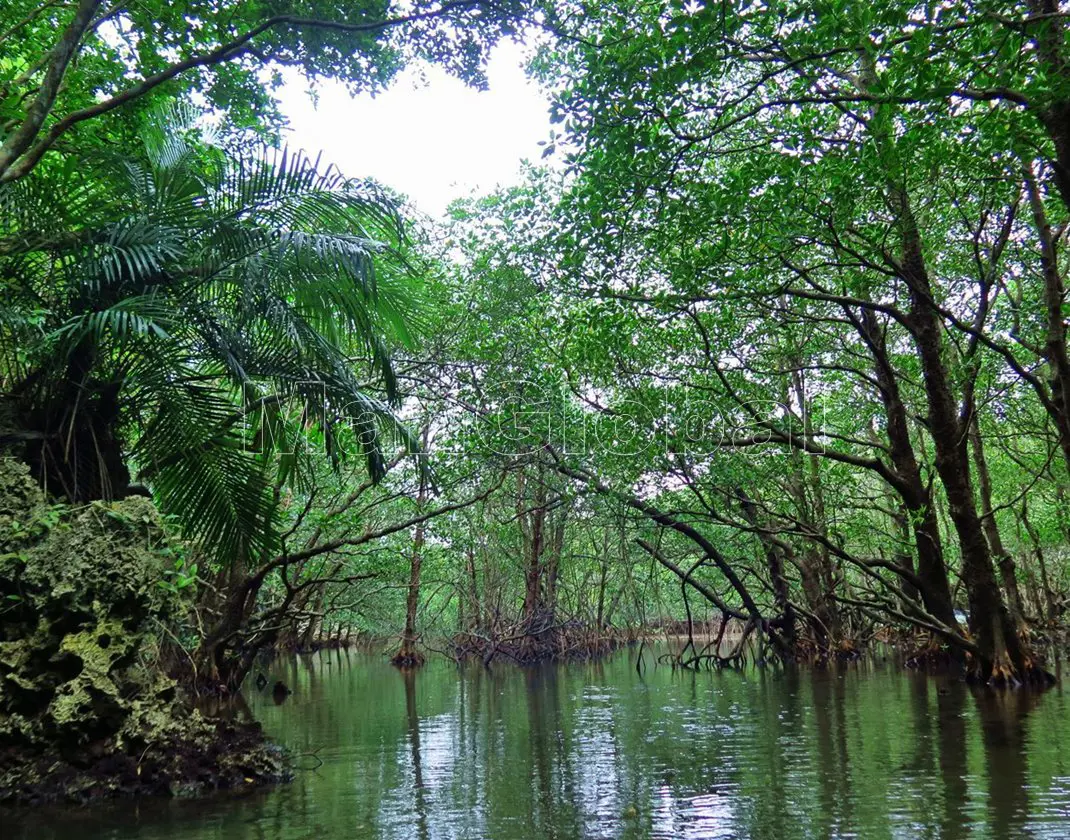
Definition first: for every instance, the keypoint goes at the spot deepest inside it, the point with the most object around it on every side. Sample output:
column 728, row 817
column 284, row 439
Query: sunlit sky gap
column 429, row 136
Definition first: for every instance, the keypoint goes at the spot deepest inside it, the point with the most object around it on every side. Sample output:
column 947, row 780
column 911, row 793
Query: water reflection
column 598, row 751
column 412, row 726
column 827, row 693
column 1003, row 731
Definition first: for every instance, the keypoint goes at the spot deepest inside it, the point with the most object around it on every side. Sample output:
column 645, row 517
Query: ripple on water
column 601, row 752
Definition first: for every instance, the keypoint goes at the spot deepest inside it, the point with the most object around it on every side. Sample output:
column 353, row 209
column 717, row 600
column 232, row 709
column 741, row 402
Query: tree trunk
column 1055, row 350
column 475, row 620
column 553, row 564
column 532, row 522
column 315, row 621
column 917, row 499
column 538, row 537
column 988, row 521
column 20, row 139
column 408, row 656
column 775, row 551
column 814, row 563
column 904, row 558
column 1049, row 39
column 1050, row 609
column 603, row 575
column 75, row 447
column 1003, row 656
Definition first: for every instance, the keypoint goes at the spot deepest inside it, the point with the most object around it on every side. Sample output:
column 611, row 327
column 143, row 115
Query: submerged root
column 702, row 660
column 564, row 643
column 1005, row 674
column 933, row 655
column 407, row 659
column 818, row 654
column 407, row 656
column 848, row 650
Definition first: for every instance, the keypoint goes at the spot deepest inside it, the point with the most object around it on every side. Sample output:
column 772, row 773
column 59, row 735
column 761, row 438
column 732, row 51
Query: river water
column 596, row 750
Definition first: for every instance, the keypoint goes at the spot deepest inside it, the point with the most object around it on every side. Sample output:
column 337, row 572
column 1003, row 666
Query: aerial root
column 1005, row 674
column 815, row 653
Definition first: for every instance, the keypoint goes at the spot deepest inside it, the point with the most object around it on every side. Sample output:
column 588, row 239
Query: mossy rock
column 85, row 708
column 20, row 500
column 82, row 597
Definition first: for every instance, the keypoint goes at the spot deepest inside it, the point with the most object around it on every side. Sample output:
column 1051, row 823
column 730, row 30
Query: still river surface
column 596, row 750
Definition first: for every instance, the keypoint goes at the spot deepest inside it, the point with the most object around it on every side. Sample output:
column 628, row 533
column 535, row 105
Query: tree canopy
column 67, row 64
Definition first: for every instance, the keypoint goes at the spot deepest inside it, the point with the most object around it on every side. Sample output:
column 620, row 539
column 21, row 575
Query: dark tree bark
column 1049, row 38
column 1003, row 656
column 22, row 138
column 775, row 552
column 1003, row 557
column 1050, row 609
column 542, row 521
column 408, row 656
column 1055, row 345
column 904, row 557
column 917, row 499
column 819, row 578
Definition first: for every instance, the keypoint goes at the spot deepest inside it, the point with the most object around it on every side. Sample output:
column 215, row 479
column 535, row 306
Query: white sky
column 434, row 142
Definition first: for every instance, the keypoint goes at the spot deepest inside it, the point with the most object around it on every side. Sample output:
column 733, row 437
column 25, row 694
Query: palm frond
column 210, row 309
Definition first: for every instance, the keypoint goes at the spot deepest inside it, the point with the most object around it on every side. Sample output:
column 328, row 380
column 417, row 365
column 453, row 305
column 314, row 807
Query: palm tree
column 199, row 316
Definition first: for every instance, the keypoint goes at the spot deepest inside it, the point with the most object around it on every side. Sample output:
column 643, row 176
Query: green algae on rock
column 86, row 710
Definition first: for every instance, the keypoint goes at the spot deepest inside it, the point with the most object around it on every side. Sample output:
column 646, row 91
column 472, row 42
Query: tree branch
column 20, row 154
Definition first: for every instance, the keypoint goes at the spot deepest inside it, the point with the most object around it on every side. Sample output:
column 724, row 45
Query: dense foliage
column 776, row 342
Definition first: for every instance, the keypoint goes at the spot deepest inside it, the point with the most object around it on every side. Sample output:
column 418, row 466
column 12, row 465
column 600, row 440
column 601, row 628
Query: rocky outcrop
column 85, row 708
